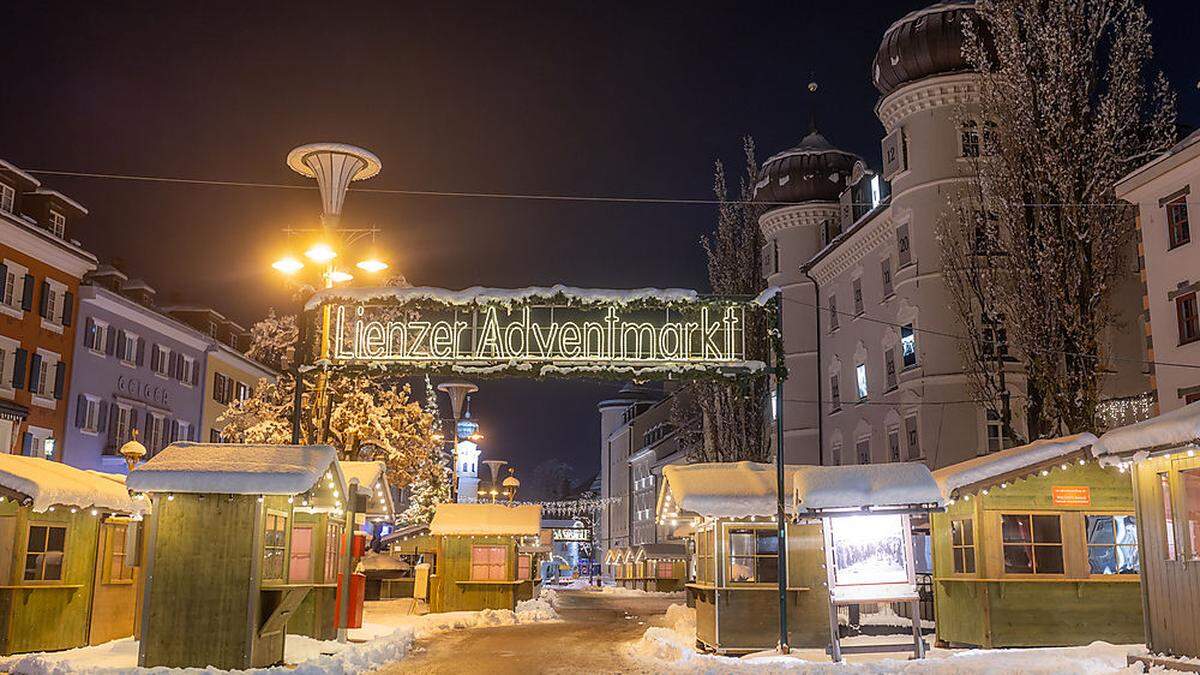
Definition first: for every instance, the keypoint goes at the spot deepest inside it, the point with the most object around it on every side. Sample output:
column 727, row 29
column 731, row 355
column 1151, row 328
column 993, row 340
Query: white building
column 466, row 469
column 1162, row 190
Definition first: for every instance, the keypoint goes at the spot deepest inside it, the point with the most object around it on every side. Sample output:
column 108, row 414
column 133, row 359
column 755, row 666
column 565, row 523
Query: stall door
column 115, row 584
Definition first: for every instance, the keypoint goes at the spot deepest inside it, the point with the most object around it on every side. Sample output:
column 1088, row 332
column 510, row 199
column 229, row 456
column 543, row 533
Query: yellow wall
column 232, row 365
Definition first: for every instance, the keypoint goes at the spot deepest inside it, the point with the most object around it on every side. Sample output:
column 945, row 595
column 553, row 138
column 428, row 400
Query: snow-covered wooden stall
column 478, row 561
column 864, row 513
column 67, row 556
column 1163, row 456
column 655, row 567
column 1037, row 547
column 240, row 535
column 731, row 509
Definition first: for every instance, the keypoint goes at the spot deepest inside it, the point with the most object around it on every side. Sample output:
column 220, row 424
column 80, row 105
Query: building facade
column 136, row 369
column 229, row 375
column 1165, row 193
column 40, row 272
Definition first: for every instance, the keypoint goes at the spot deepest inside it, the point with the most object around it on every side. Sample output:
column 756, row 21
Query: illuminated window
column 1190, row 480
column 119, row 568
column 908, row 345
column 1177, row 221
column 487, row 563
column 333, row 543
column 1032, row 544
column 44, row 553
column 962, row 541
column 860, row 379
column 753, row 555
column 1112, row 544
column 274, row 545
column 300, row 556
column 1164, row 493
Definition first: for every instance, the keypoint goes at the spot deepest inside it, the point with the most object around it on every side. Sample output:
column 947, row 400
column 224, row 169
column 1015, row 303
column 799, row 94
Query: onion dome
column 811, row 171
column 922, row 43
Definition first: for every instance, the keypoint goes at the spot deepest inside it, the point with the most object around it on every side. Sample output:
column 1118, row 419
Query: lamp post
column 133, row 451
column 510, row 485
column 494, row 465
column 457, row 391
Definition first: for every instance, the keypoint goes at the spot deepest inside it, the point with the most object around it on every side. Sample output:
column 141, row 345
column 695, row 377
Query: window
column 1185, row 311
column 241, row 391
column 889, row 367
column 127, row 346
column 523, row 567
column 156, row 433
column 222, row 388
column 11, row 295
column 124, row 425
column 975, row 144
column 119, row 568
column 182, row 430
column 300, row 558
column 58, row 223
column 833, row 313
column 91, row 413
column 705, row 568
column 1032, row 544
column 95, row 336
column 858, row 298
column 187, row 370
column 8, row 198
column 753, row 555
column 274, row 545
column 1190, row 480
column 894, row 444
column 904, row 254
column 333, row 544
column 1164, row 490
column 1112, row 544
column 214, row 436
column 1177, row 222
column 44, row 553
column 8, row 363
column 996, row 438
column 664, row 569
column 908, row 345
column 914, row 440
column 835, row 393
column 962, row 542
column 860, row 378
column 160, row 360
column 836, row 453
column 886, row 274
column 994, row 336
column 487, row 563
column 864, row 450
column 46, row 374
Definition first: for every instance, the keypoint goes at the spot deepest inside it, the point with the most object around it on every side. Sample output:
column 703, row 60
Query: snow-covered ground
column 387, row 635
column 609, row 588
column 670, row 647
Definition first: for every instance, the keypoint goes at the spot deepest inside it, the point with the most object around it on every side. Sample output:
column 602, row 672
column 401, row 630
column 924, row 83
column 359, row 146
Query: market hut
column 372, row 476
column 1163, row 454
column 1037, row 547
column 414, row 545
column 66, row 563
column 659, row 567
column 240, row 535
column 478, row 564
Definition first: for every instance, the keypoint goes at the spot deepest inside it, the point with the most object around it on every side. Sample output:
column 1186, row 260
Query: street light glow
column 338, row 276
column 321, row 253
column 372, row 265
column 288, row 265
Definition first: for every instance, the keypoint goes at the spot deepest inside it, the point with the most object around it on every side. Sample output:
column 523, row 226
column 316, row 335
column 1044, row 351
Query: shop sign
column 1071, row 495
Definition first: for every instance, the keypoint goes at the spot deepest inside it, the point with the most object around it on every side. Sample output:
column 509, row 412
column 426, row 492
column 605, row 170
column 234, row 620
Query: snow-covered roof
column 662, row 551
column 19, row 172
column 477, row 295
column 235, row 468
column 1175, row 428
column 981, row 469
column 48, row 483
column 487, row 519
column 874, row 486
column 724, row 489
column 61, row 197
column 372, row 476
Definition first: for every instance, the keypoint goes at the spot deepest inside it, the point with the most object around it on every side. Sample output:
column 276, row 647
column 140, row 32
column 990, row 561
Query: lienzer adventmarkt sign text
column 555, row 330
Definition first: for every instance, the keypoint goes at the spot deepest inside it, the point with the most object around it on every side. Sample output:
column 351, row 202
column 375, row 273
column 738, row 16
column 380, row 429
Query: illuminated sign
column 1071, row 495
column 570, row 534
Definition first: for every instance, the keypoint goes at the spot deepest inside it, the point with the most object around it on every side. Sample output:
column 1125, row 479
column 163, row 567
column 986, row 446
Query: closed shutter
column 114, row 412
column 174, row 431
column 44, row 300
column 154, row 358
column 121, row 344
column 89, row 333
column 110, row 345
column 133, row 419
column 80, row 410
column 35, row 366
column 195, row 373
column 102, row 418
column 18, row 380
column 141, row 351
column 27, row 293
column 3, row 279
column 60, row 377
column 27, row 444
column 68, row 307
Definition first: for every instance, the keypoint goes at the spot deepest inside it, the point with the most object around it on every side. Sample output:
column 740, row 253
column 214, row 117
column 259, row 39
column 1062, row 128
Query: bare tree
column 1040, row 240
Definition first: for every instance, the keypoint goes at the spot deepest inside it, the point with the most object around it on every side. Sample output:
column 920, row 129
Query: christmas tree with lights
column 432, row 484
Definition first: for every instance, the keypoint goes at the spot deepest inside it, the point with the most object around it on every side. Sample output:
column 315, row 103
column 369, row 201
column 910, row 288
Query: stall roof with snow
column 722, row 489
column 486, row 519
column 1166, row 432
column 45, row 484
column 889, row 488
column 236, row 469
column 372, row 480
column 991, row 469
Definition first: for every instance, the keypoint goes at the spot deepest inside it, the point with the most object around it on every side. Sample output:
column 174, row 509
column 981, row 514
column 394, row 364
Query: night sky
column 561, row 98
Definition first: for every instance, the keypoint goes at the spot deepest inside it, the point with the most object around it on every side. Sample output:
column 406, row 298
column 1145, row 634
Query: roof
column 662, row 551
column 493, row 519
column 9, row 166
column 235, row 468
column 921, row 44
column 47, row 483
column 1004, row 462
column 865, row 486
column 1175, row 428
column 372, row 476
column 725, row 489
column 813, row 170
column 1142, row 172
column 55, row 194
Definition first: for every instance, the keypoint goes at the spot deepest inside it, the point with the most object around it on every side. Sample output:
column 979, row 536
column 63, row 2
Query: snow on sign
column 548, row 331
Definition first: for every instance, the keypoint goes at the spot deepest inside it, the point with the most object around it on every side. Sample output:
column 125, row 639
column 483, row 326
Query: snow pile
column 1178, row 427
column 995, row 464
column 821, row 488
column 724, row 489
column 537, row 609
column 550, row 596
column 622, row 592
column 479, row 295
column 491, row 519
column 48, row 483
column 235, row 468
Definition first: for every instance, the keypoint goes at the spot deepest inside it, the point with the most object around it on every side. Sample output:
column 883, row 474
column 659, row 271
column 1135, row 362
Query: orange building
column 40, row 271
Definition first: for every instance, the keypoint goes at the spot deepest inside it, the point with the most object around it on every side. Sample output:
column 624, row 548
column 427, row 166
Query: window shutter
column 195, row 373
column 903, row 245
column 80, row 410
column 1179, row 318
column 68, row 307
column 113, row 413
column 174, row 431
column 27, row 444
column 35, row 365
column 120, row 344
column 3, row 279
column 44, row 300
column 102, row 418
column 18, row 380
column 141, row 351
column 27, row 293
column 110, row 345
column 89, row 333
column 60, row 376
column 133, row 419
column 154, row 358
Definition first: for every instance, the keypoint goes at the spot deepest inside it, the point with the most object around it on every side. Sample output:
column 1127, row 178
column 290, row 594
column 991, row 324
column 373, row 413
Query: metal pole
column 299, row 360
column 344, row 603
column 780, row 371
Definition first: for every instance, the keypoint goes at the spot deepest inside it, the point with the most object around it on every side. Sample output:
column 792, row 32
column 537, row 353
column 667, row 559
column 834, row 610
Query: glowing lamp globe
column 287, row 265
column 467, row 428
column 338, row 276
column 372, row 265
column 321, row 253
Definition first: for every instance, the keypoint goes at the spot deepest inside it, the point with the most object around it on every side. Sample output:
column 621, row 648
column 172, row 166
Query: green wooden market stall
column 478, row 562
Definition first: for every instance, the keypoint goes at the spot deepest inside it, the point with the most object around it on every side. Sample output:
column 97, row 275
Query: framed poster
column 870, row 550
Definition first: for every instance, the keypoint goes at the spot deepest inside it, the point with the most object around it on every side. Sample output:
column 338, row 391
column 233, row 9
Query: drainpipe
column 820, row 381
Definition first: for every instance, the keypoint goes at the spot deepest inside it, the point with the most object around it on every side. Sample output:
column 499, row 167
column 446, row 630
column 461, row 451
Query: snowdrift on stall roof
column 1178, row 427
column 477, row 295
column 995, row 464
column 726, row 489
column 235, row 469
column 821, row 488
column 48, row 483
column 488, row 519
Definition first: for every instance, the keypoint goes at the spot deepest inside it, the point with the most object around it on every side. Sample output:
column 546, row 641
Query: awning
column 13, row 412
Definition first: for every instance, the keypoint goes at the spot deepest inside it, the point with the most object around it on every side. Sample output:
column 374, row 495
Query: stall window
column 1164, row 489
column 44, row 553
column 704, row 557
column 962, row 541
column 753, row 555
column 274, row 545
column 523, row 567
column 1190, row 479
column 300, row 559
column 1112, row 544
column 665, row 569
column 487, row 563
column 1032, row 544
column 333, row 543
column 119, row 568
